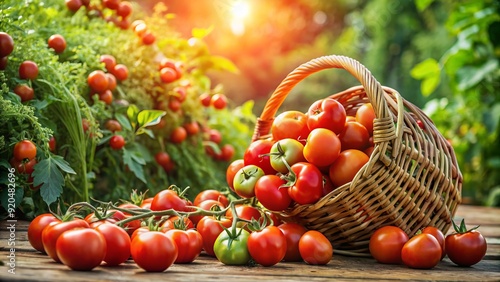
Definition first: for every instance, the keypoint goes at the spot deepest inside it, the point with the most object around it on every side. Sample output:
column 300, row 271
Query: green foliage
column 84, row 165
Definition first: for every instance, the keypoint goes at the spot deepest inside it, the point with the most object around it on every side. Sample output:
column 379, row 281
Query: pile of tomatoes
column 391, row 245
column 169, row 229
column 307, row 156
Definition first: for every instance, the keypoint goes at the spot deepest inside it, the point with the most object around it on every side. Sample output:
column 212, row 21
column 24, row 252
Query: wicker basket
column 412, row 179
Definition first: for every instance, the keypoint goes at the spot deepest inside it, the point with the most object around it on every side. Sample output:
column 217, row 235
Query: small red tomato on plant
column 219, row 101
column 386, row 244
column 465, row 247
column 57, row 43
column 168, row 75
column 113, row 125
column 24, row 149
column 109, row 61
column 25, row 92
column 205, row 99
column 124, row 9
column 148, row 38
column 111, row 4
column 111, row 81
column 267, row 246
column 168, row 199
column 211, row 194
column 178, row 135
column 73, row 5
column 117, row 142
column 315, row 248
column 98, row 81
column 28, row 70
column 120, row 71
column 52, row 144
column 106, row 97
column 421, row 251
column 6, row 44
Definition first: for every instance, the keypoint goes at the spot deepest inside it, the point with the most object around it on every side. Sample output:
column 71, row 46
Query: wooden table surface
column 31, row 265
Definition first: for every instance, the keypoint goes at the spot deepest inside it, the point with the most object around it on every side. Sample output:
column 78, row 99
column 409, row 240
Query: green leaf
column 471, row 75
column 135, row 164
column 5, row 197
column 123, row 120
column 143, row 130
column 221, row 63
column 47, row 173
column 429, row 67
column 62, row 164
column 429, row 84
column 423, row 4
column 149, row 117
column 132, row 112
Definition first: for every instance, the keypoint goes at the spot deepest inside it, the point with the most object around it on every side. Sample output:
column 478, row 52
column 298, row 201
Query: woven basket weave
column 412, row 179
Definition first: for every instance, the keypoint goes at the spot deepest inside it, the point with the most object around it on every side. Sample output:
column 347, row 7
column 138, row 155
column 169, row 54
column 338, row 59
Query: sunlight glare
column 240, row 10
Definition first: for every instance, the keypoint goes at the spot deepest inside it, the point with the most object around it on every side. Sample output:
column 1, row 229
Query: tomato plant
column 36, row 227
column 315, row 248
column 153, row 251
column 421, row 251
column 465, row 247
column 293, row 232
column 267, row 246
column 326, row 113
column 231, row 248
column 57, row 42
column 386, row 244
column 290, row 124
column 81, row 248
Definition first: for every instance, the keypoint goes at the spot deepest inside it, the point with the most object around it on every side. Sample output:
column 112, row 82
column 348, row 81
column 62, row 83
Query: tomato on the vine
column 290, row 124
column 293, row 232
column 153, row 251
column 124, row 9
column 305, row 183
column 109, row 61
column 218, row 101
column 98, row 81
column 28, row 70
column 386, row 244
column 231, row 248
column 189, row 244
column 421, row 251
column 178, row 135
column 117, row 142
column 52, row 144
column 168, row 199
column 113, row 125
column 270, row 193
column 57, row 42
column 176, row 222
column 465, row 247
column 315, row 248
column 24, row 149
column 267, row 246
column 211, row 194
column 81, row 248
column 168, row 75
column 120, row 71
column 6, row 44
column 210, row 228
column 36, row 227
column 25, row 92
column 326, row 113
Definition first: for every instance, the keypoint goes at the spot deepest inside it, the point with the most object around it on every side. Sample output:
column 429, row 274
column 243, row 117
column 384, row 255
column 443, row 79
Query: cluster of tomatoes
column 307, row 156
column 168, row 229
column 391, row 245
column 121, row 10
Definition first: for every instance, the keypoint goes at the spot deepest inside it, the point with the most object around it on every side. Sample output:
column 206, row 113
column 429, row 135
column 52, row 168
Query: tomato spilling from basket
column 355, row 161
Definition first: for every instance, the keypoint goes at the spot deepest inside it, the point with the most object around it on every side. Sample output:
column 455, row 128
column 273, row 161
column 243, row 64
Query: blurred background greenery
column 441, row 55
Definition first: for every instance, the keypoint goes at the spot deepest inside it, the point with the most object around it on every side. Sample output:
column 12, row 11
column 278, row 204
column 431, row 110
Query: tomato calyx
column 462, row 228
column 259, row 225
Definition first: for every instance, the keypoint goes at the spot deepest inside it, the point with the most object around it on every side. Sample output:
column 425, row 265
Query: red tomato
column 113, row 125
column 178, row 135
column 271, row 194
column 52, row 232
column 120, row 71
column 189, row 244
column 218, row 101
column 36, row 227
column 231, row 171
column 345, row 167
column 434, row 231
column 26, row 167
column 124, row 9
column 3, row 62
column 24, row 149
column 153, row 251
column 109, row 61
column 256, row 154
column 290, row 124
column 354, row 136
column 111, row 81
column 365, row 115
column 111, row 4
column 98, row 81
column 322, row 147
column 148, row 38
column 205, row 99
column 6, row 45
column 25, row 92
column 268, row 246
column 245, row 212
column 226, row 153
column 386, row 244
column 106, row 96
column 52, row 144
column 81, row 248
column 293, row 232
column 192, row 127
column 210, row 228
column 73, row 5
column 57, row 42
column 117, row 142
column 315, row 248
column 206, row 205
column 211, row 194
column 28, row 70
column 162, row 159
column 168, row 75
column 214, row 135
column 422, row 251
column 117, row 243
column 326, row 113
column 466, row 247
column 307, row 187
column 175, row 222
column 168, row 199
